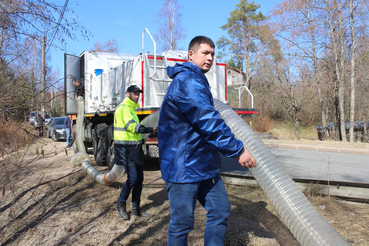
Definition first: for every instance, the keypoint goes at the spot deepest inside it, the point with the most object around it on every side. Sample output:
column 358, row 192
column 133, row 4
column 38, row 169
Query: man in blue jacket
column 191, row 139
column 68, row 126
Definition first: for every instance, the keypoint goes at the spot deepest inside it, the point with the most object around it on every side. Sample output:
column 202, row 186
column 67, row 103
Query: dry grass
column 282, row 130
column 287, row 131
column 16, row 140
column 348, row 218
column 14, row 136
column 262, row 125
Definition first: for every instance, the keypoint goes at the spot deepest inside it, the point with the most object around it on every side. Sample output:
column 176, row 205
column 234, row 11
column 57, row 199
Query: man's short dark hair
column 196, row 41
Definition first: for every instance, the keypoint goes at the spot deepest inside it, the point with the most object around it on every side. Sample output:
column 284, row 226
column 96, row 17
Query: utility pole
column 43, row 87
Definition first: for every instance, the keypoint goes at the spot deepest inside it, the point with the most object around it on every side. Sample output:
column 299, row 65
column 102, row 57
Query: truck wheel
column 99, row 143
column 110, row 147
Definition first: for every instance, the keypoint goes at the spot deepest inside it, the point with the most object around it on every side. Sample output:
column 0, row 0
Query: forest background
column 305, row 63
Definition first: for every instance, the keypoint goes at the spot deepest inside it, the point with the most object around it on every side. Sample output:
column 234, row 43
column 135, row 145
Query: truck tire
column 110, row 147
column 99, row 143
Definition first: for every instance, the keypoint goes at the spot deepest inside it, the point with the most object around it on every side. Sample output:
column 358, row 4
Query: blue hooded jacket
column 191, row 134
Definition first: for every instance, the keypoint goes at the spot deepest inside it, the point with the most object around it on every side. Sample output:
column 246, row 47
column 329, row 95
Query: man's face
column 134, row 96
column 203, row 57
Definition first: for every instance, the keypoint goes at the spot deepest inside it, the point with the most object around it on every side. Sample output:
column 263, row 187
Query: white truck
column 107, row 75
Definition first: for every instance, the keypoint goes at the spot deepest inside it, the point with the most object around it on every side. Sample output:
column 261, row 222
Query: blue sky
column 124, row 21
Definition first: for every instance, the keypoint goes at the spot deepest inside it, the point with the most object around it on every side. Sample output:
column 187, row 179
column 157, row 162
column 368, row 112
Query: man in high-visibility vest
column 128, row 150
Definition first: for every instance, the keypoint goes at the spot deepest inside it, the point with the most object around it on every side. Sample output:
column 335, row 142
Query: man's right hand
column 246, row 159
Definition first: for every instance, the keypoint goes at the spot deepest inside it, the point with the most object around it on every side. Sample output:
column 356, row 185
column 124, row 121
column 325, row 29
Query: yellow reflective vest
column 126, row 124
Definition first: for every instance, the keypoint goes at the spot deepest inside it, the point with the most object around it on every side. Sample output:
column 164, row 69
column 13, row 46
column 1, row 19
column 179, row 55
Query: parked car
column 47, row 118
column 32, row 118
column 55, row 128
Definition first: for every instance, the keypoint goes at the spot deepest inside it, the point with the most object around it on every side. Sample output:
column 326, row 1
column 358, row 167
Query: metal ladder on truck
column 157, row 72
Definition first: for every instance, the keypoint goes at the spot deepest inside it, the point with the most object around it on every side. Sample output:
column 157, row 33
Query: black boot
column 137, row 212
column 121, row 208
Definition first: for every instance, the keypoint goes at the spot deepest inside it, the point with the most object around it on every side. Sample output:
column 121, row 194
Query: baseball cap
column 133, row 88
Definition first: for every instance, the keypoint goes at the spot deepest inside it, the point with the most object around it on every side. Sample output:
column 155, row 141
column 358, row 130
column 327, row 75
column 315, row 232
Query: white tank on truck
column 105, row 78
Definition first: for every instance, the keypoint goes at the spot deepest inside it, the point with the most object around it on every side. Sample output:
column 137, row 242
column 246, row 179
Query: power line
column 59, row 22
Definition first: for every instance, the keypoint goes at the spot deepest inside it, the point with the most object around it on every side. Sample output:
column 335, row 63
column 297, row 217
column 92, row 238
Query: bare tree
column 334, row 13
column 35, row 19
column 353, row 78
column 23, row 27
column 299, row 24
column 171, row 31
column 323, row 33
column 293, row 89
column 109, row 46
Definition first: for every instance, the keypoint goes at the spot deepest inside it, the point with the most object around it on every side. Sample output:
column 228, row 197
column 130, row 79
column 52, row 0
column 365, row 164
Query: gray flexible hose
column 82, row 157
column 299, row 215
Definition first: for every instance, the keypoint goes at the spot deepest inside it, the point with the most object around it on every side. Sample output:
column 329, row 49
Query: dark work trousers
column 182, row 198
column 134, row 183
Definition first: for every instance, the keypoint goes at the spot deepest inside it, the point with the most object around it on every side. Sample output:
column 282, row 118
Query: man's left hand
column 246, row 159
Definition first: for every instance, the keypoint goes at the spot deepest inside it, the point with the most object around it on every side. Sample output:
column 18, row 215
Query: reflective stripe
column 125, row 121
column 116, row 110
column 137, row 127
column 128, row 123
column 127, row 142
column 120, row 129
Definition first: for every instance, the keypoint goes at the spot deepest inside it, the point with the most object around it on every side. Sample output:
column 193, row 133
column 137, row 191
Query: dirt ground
column 50, row 202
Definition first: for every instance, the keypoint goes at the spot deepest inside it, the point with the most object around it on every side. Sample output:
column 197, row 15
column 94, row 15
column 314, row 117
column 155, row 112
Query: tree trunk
column 341, row 86
column 336, row 32
column 317, row 76
column 297, row 129
column 352, row 81
column 365, row 132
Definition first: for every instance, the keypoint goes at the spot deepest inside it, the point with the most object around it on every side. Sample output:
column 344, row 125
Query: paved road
column 317, row 165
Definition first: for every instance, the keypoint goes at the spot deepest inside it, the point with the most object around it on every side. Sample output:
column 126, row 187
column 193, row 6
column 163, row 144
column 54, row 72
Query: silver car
column 32, row 118
column 55, row 129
